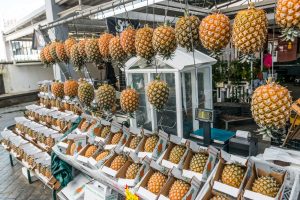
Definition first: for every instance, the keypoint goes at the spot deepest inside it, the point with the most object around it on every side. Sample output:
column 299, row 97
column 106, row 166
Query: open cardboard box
column 260, row 168
column 176, row 175
column 131, row 132
column 211, row 162
column 97, row 130
column 216, row 181
column 142, row 190
column 106, row 167
column 209, row 193
column 81, row 155
column 115, row 128
column 164, row 158
column 93, row 163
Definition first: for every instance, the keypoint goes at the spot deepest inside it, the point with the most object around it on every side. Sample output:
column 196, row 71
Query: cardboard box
column 93, row 163
column 131, row 132
column 98, row 129
column 115, row 128
column 81, row 156
column 211, row 162
column 106, row 167
column 209, row 193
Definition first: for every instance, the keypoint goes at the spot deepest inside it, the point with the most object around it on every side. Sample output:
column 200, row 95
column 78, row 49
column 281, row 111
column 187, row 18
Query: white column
column 178, row 104
column 194, row 99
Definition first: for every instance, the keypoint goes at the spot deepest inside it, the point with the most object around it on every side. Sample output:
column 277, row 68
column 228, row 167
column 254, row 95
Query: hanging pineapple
column 164, row 41
column 127, row 39
column 47, row 54
column 81, row 49
column 103, row 44
column 129, row 100
column 61, row 52
column 57, row 89
column 85, row 93
column 116, row 51
column 52, row 50
column 158, row 93
column 70, row 88
column 76, row 58
column 288, row 18
column 106, row 96
column 250, row 30
column 186, row 30
column 92, row 51
column 143, row 43
column 42, row 57
column 214, row 32
column 270, row 107
column 68, row 45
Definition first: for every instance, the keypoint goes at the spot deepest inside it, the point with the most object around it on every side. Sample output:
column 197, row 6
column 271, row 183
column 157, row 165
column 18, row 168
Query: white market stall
column 188, row 91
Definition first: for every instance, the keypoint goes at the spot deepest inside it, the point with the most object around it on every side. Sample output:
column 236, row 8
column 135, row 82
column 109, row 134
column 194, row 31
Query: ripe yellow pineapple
column 176, row 153
column 250, row 30
column 288, row 18
column 103, row 44
column 266, row 185
column 42, row 56
column 106, row 96
column 118, row 162
column 90, row 151
column 158, row 93
column 116, row 138
column 233, row 175
column 143, row 42
column 61, row 52
column 47, row 54
column 219, row 197
column 214, row 32
column 102, row 155
column 198, row 162
column 116, row 51
column 129, row 100
column 85, row 93
column 186, row 30
column 81, row 48
column 105, row 131
column 127, row 40
column 52, row 49
column 68, row 45
column 92, row 51
column 132, row 171
column 57, row 89
column 134, row 142
column 151, row 143
column 156, row 182
column 76, row 58
column 270, row 107
column 70, row 88
column 164, row 41
column 178, row 189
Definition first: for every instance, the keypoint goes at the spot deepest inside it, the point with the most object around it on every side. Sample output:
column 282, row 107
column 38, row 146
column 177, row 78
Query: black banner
column 117, row 25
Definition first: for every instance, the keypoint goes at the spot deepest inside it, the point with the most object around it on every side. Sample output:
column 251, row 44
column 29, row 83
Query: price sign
column 204, row 115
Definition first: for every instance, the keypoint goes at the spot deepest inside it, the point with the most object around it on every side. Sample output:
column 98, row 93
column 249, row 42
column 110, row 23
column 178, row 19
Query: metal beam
column 143, row 17
column 171, row 5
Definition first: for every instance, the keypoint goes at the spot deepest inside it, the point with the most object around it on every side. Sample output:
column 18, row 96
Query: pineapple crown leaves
column 289, row 34
column 268, row 131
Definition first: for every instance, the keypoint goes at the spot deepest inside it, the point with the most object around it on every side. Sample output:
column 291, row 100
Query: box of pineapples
column 134, row 138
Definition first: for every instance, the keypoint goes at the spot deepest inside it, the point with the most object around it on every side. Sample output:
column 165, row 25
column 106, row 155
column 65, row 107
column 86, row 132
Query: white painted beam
column 143, row 17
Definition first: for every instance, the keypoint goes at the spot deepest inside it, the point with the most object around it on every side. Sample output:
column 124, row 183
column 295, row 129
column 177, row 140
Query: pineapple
column 186, row 31
column 176, row 153
column 90, row 151
column 81, row 48
column 219, row 197
column 70, row 88
column 103, row 44
column 134, row 142
column 198, row 162
column 250, row 30
column 47, row 54
column 129, row 100
column 164, row 41
column 127, row 40
column 106, row 96
column 233, row 175
column 57, row 89
column 105, row 131
column 214, row 32
column 76, row 58
column 116, row 138
column 143, row 43
column 270, row 107
column 287, row 17
column 42, row 57
column 266, row 185
column 116, row 51
column 92, row 51
column 156, row 182
column 85, row 93
column 52, row 49
column 102, row 155
column 61, row 52
column 118, row 162
column 68, row 45
column 132, row 171
column 158, row 93
column 151, row 143
column 178, row 190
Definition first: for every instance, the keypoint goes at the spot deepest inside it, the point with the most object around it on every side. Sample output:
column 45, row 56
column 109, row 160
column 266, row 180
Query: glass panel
column 187, row 104
column 166, row 120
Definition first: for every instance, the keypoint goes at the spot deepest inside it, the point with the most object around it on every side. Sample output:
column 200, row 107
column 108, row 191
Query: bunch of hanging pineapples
column 143, row 43
column 103, row 44
column 106, row 96
column 57, row 89
column 85, row 92
column 129, row 100
column 288, row 18
column 158, row 93
column 266, row 185
column 178, row 189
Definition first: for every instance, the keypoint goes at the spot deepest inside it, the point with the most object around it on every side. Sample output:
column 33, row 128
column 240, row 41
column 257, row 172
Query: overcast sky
column 16, row 9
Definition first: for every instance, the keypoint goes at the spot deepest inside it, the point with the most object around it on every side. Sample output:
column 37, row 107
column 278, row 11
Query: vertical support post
column 194, row 99
column 251, row 82
column 28, row 176
column 178, row 92
column 11, row 160
column 206, row 133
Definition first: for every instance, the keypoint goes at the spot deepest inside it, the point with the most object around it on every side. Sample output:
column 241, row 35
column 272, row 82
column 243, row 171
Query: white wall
column 22, row 78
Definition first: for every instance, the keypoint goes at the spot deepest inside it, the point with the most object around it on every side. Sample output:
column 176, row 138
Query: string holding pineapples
column 214, row 33
column 129, row 100
column 270, row 108
column 249, row 33
column 287, row 17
